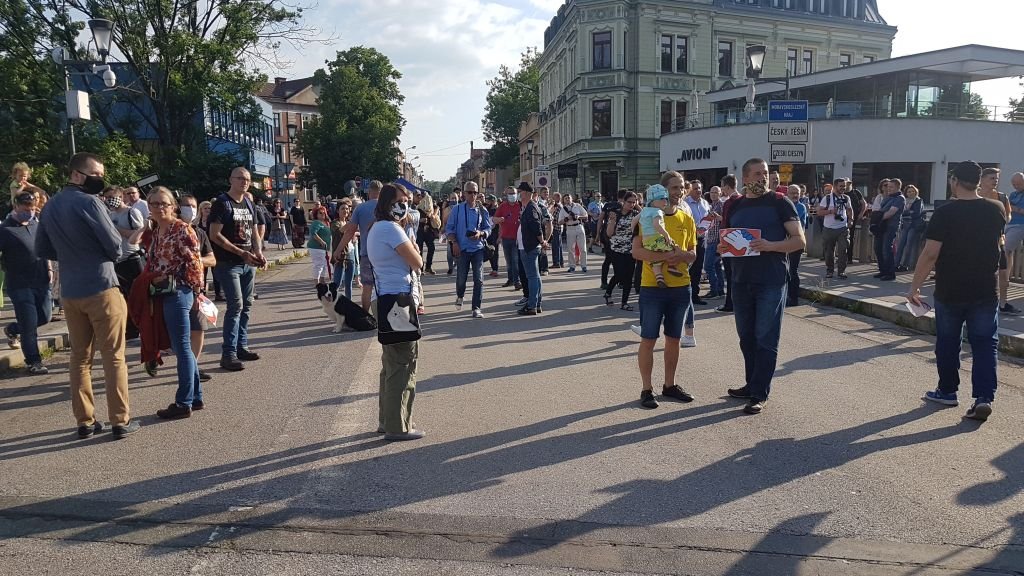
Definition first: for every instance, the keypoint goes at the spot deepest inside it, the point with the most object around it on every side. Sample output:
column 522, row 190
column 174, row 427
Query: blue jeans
column 713, row 268
column 758, row 309
column 663, row 305
column 32, row 308
column 906, row 252
column 557, row 258
column 884, row 245
column 176, row 309
column 344, row 274
column 511, row 251
column 476, row 260
column 530, row 260
column 237, row 281
column 982, row 319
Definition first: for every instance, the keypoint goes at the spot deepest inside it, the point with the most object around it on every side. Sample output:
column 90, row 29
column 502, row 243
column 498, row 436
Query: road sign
column 789, row 153
column 542, row 178
column 787, row 110
column 788, row 131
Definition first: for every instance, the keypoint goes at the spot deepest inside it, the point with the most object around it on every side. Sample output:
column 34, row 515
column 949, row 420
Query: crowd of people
column 117, row 254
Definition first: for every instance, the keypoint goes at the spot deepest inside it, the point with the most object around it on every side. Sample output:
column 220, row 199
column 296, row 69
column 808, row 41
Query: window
column 845, row 60
column 682, row 55
column 724, row 58
column 277, row 123
column 681, row 112
column 791, row 61
column 666, row 53
column 603, row 50
column 602, row 117
column 808, row 61
column 666, row 116
column 869, row 59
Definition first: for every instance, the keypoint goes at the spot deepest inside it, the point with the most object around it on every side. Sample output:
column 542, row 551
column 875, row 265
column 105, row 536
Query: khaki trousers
column 98, row 322
column 397, row 385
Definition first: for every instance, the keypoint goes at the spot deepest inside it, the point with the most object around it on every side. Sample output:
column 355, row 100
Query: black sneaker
column 87, row 431
column 981, row 410
column 1009, row 310
column 647, row 399
column 828, row 274
column 247, row 355
column 739, row 392
column 131, row 427
column 724, row 309
column 205, row 376
column 842, row 276
column 527, row 311
column 506, row 285
column 754, row 406
column 677, row 393
column 198, row 405
column 174, row 412
column 152, row 368
column 231, row 364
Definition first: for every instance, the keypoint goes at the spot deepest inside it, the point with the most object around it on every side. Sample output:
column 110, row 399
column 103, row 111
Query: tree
column 439, row 188
column 178, row 57
column 359, row 124
column 122, row 164
column 1016, row 112
column 963, row 104
column 512, row 96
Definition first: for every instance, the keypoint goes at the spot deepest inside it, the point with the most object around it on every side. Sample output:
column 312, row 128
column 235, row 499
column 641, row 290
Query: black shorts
column 197, row 320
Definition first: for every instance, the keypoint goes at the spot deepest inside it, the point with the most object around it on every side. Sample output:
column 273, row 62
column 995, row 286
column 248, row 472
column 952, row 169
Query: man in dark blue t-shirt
column 759, row 282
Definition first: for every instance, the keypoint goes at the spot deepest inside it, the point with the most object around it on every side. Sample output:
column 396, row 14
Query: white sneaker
column 635, row 329
column 687, row 342
column 477, row 313
column 458, row 303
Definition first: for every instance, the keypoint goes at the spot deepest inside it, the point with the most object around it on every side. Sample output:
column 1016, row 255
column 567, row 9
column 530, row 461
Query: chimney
column 278, row 81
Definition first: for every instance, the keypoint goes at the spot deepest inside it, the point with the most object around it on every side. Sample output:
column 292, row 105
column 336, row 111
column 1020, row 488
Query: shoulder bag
column 397, row 320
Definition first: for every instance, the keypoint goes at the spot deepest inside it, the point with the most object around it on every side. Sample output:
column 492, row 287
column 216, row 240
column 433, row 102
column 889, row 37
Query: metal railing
column 843, row 110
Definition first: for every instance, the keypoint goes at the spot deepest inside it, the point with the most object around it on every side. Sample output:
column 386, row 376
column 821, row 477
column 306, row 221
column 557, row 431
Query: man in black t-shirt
column 963, row 248
column 238, row 248
column 759, row 282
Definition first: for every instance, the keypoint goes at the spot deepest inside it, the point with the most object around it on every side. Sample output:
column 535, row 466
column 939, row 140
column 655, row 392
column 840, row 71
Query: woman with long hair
column 619, row 232
column 394, row 258
column 910, row 231
column 278, row 218
column 428, row 233
column 318, row 245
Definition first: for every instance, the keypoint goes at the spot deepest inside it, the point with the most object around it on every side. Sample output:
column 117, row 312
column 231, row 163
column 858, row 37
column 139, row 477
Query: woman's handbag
column 165, row 288
column 397, row 320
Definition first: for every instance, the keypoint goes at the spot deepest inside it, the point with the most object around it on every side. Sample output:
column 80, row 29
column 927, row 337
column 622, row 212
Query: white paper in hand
column 916, row 310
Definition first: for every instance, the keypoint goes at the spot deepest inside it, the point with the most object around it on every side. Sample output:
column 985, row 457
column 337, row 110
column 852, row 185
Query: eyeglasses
column 159, row 205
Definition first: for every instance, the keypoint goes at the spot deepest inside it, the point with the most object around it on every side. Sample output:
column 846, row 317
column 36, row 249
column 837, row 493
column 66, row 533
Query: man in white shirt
column 699, row 209
column 572, row 215
column 837, row 209
column 133, row 198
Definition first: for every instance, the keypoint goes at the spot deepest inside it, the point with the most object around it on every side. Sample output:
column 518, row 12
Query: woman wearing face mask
column 394, row 258
column 173, row 267
column 130, row 225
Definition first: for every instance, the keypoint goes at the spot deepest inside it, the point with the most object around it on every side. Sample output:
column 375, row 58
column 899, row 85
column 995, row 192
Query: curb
column 12, row 361
column 1010, row 342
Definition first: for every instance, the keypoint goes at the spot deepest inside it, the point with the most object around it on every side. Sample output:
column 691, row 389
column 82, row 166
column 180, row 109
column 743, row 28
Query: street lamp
column 75, row 101
column 292, row 128
column 755, row 67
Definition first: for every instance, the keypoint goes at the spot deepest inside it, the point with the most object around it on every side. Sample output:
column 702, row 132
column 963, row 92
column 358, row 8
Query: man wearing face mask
column 28, row 279
column 507, row 215
column 130, row 224
column 75, row 230
column 759, row 290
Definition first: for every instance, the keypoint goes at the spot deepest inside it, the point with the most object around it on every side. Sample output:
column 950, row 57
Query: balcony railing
column 844, row 110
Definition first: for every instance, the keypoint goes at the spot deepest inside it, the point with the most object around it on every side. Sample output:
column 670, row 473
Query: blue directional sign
column 787, row 110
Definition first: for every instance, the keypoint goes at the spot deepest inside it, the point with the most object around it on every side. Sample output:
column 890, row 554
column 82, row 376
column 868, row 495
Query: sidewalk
column 863, row 294
column 54, row 336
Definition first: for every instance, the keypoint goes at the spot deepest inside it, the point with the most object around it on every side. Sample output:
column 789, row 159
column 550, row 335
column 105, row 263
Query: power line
column 445, row 148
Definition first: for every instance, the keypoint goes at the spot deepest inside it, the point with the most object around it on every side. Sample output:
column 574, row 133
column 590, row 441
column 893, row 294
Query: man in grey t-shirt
column 76, row 231
column 362, row 218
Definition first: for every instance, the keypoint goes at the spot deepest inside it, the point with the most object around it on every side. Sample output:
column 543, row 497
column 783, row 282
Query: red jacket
column 511, row 213
column 148, row 314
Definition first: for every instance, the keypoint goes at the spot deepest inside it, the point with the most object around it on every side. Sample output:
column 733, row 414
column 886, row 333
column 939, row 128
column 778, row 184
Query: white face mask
column 511, row 197
column 188, row 213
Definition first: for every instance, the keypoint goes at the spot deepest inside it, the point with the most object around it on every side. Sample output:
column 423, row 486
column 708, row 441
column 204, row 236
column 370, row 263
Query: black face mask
column 93, row 184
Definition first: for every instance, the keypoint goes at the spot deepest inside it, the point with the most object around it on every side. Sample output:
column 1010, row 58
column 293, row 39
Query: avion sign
column 692, row 154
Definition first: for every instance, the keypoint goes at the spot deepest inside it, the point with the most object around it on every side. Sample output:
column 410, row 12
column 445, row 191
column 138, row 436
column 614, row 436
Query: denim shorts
column 666, row 306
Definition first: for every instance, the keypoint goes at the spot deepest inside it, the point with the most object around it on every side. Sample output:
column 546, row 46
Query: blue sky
column 447, row 50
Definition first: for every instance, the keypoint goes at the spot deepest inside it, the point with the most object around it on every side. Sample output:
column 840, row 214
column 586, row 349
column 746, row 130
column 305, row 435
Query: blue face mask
column 23, row 215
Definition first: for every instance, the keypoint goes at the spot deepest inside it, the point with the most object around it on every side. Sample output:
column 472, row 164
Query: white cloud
column 446, row 50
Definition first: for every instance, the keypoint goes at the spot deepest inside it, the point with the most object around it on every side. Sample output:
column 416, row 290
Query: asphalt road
column 538, row 458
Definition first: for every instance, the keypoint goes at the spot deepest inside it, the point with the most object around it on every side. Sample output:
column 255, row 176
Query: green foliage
column 200, row 172
column 438, row 188
column 359, row 122
column 1016, row 112
column 511, row 97
column 123, row 165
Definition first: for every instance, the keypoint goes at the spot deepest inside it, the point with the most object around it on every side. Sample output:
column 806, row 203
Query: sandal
column 626, row 307
column 608, row 300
